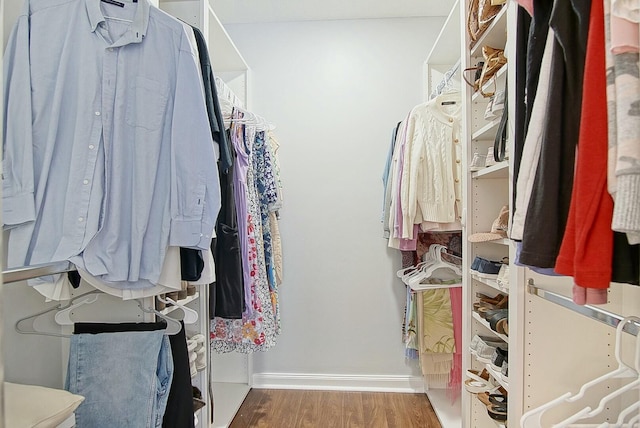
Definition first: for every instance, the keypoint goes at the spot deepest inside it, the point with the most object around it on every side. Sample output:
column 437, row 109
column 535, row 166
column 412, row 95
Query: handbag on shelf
column 479, row 17
column 494, row 59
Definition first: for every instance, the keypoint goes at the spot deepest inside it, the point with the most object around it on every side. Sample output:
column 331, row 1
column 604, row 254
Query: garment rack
column 598, row 314
column 36, row 271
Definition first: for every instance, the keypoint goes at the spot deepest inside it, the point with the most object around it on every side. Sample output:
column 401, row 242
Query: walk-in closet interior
column 205, row 197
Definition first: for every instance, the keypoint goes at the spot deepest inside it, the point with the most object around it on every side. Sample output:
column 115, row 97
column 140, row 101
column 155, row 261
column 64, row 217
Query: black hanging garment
column 226, row 295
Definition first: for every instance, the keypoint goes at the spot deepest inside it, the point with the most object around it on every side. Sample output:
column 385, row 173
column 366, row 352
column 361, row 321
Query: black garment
column 74, row 278
column 214, row 112
column 101, row 327
column 179, row 411
column 538, row 31
column 191, row 264
column 626, row 260
column 520, row 109
column 548, row 209
column 227, row 293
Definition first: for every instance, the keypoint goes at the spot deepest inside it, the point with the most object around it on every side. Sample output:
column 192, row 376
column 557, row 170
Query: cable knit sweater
column 432, row 169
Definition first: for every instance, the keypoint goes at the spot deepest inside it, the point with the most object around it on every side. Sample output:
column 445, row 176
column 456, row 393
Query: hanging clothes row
column 250, row 321
column 422, row 206
column 576, row 183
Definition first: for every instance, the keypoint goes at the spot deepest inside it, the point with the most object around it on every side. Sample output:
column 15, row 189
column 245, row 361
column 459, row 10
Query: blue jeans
column 125, row 378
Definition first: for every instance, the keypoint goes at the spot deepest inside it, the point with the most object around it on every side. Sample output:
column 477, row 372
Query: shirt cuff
column 190, row 234
column 17, row 210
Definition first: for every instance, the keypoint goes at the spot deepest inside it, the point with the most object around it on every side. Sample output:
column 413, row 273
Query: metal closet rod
column 598, row 314
column 35, row 271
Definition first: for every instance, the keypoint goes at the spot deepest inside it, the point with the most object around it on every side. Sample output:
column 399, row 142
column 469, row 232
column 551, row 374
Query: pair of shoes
column 498, row 358
column 477, row 162
column 483, row 347
column 496, row 405
column 495, row 107
column 490, row 160
column 197, row 353
column 503, row 277
column 485, row 268
column 480, row 382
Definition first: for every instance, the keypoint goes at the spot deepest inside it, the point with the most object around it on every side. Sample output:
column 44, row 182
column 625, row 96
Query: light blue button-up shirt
column 108, row 154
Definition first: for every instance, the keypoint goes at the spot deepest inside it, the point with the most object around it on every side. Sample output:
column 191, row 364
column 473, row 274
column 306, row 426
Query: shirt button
column 457, row 160
column 110, row 49
column 97, row 113
column 456, row 141
column 91, row 146
column 80, row 219
column 456, row 180
column 85, row 181
column 450, row 120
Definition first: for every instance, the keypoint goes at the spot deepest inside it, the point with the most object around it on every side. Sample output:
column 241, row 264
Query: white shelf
column 495, row 36
column 490, row 282
column 499, row 170
column 485, row 323
column 446, row 49
column 487, row 132
column 449, row 414
column 227, row 399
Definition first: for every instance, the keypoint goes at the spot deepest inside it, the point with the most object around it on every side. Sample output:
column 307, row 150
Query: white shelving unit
column 442, row 58
column 229, row 374
column 485, row 192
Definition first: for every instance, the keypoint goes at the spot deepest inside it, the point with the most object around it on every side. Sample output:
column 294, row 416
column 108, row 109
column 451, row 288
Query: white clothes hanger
column 427, row 271
column 190, row 316
column 429, row 258
column 533, row 418
column 63, row 317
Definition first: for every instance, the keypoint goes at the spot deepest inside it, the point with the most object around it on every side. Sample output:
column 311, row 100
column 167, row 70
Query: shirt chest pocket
column 146, row 103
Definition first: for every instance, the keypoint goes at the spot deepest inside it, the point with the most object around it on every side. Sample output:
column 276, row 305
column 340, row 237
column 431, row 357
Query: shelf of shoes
column 494, row 36
column 488, row 131
column 485, row 323
column 493, row 283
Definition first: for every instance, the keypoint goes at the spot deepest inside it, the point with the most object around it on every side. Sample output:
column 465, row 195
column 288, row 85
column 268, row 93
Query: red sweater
column 587, row 246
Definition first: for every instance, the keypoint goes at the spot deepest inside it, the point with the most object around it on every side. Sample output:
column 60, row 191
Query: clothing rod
column 598, row 314
column 35, row 271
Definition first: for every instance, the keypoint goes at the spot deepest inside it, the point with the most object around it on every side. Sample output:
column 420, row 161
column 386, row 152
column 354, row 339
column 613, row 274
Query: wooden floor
column 331, row 409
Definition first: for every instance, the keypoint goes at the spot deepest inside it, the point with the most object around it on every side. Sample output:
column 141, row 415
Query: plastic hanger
column 190, row 316
column 533, row 418
column 63, row 317
column 429, row 258
column 428, row 271
column 173, row 324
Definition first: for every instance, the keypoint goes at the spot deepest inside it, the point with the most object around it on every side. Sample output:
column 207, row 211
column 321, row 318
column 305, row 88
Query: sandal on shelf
column 496, row 316
column 480, row 382
column 502, row 326
column 497, row 412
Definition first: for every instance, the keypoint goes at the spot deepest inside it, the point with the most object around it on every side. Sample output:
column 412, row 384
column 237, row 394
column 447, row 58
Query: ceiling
column 246, row 11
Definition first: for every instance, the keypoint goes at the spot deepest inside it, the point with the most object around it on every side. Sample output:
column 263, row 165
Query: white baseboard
column 327, row 382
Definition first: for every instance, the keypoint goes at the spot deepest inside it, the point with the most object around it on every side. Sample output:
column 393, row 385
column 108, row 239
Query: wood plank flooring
column 274, row 408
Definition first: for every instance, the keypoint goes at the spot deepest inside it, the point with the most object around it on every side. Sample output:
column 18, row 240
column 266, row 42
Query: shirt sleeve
column 18, row 204
column 195, row 186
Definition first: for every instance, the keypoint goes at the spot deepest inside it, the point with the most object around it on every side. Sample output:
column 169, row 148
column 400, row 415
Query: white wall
column 335, row 89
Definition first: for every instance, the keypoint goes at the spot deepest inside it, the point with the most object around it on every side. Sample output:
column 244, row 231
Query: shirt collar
column 138, row 27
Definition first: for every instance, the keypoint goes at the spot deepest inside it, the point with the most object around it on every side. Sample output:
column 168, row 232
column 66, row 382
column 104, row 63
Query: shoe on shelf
column 499, row 356
column 484, row 350
column 477, row 162
column 490, row 159
column 503, row 277
column 485, row 268
column 488, row 112
column 505, row 370
column 497, row 106
column 480, row 382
